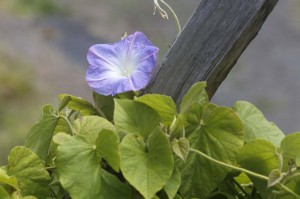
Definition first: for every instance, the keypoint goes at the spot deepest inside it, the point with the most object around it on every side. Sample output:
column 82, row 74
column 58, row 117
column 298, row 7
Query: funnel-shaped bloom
column 123, row 66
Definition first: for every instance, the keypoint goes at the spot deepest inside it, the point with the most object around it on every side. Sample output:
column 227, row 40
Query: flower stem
column 242, row 170
column 174, row 15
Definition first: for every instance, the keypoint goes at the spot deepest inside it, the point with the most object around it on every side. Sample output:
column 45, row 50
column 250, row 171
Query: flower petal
column 105, row 87
column 104, row 53
column 139, row 80
column 122, row 66
column 123, row 85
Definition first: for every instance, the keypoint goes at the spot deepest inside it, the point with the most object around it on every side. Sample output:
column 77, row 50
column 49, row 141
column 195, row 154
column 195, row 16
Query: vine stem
column 174, row 15
column 242, row 170
column 69, row 124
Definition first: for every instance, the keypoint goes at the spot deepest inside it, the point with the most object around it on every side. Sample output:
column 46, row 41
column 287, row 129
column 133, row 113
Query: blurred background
column 43, row 45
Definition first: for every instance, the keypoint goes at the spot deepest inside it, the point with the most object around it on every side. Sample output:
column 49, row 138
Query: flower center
column 125, row 73
column 127, row 70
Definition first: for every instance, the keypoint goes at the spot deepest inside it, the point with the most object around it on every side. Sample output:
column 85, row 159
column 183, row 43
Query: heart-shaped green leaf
column 40, row 135
column 274, row 177
column 135, row 117
column 146, row 166
column 29, row 169
column 260, row 156
column 173, row 184
column 108, row 148
column 78, row 167
column 290, row 147
column 90, row 126
column 256, row 125
column 181, row 147
column 162, row 104
column 219, row 135
column 196, row 94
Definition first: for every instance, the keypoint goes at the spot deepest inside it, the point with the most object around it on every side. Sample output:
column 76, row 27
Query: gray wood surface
column 209, row 45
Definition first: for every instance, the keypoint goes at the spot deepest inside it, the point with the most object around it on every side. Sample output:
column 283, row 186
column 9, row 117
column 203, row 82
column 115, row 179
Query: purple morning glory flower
column 123, row 66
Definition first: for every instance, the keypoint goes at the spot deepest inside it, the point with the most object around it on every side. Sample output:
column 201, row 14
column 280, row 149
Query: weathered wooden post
column 209, row 45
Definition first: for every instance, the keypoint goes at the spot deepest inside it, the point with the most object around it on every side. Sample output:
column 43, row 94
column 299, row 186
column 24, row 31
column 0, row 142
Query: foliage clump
column 145, row 147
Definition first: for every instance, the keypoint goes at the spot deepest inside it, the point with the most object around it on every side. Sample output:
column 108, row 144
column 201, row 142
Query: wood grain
column 209, row 45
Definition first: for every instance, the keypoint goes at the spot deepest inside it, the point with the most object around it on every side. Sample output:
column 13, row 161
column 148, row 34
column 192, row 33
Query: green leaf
column 28, row 168
column 135, row 117
column 61, row 127
column 108, row 148
column 290, row 147
column 113, row 188
column 219, row 135
column 177, row 197
column 40, row 135
column 163, row 105
column 259, row 156
column 181, row 147
column 82, row 176
column 173, row 184
column 274, row 177
column 242, row 179
column 30, row 197
column 9, row 180
column 82, row 167
column 3, row 193
column 61, row 138
column 195, row 116
column 256, row 125
column 294, row 185
column 105, row 104
column 127, row 95
column 77, row 104
column 290, row 151
column 90, row 126
column 196, row 94
column 146, row 166
column 63, row 102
